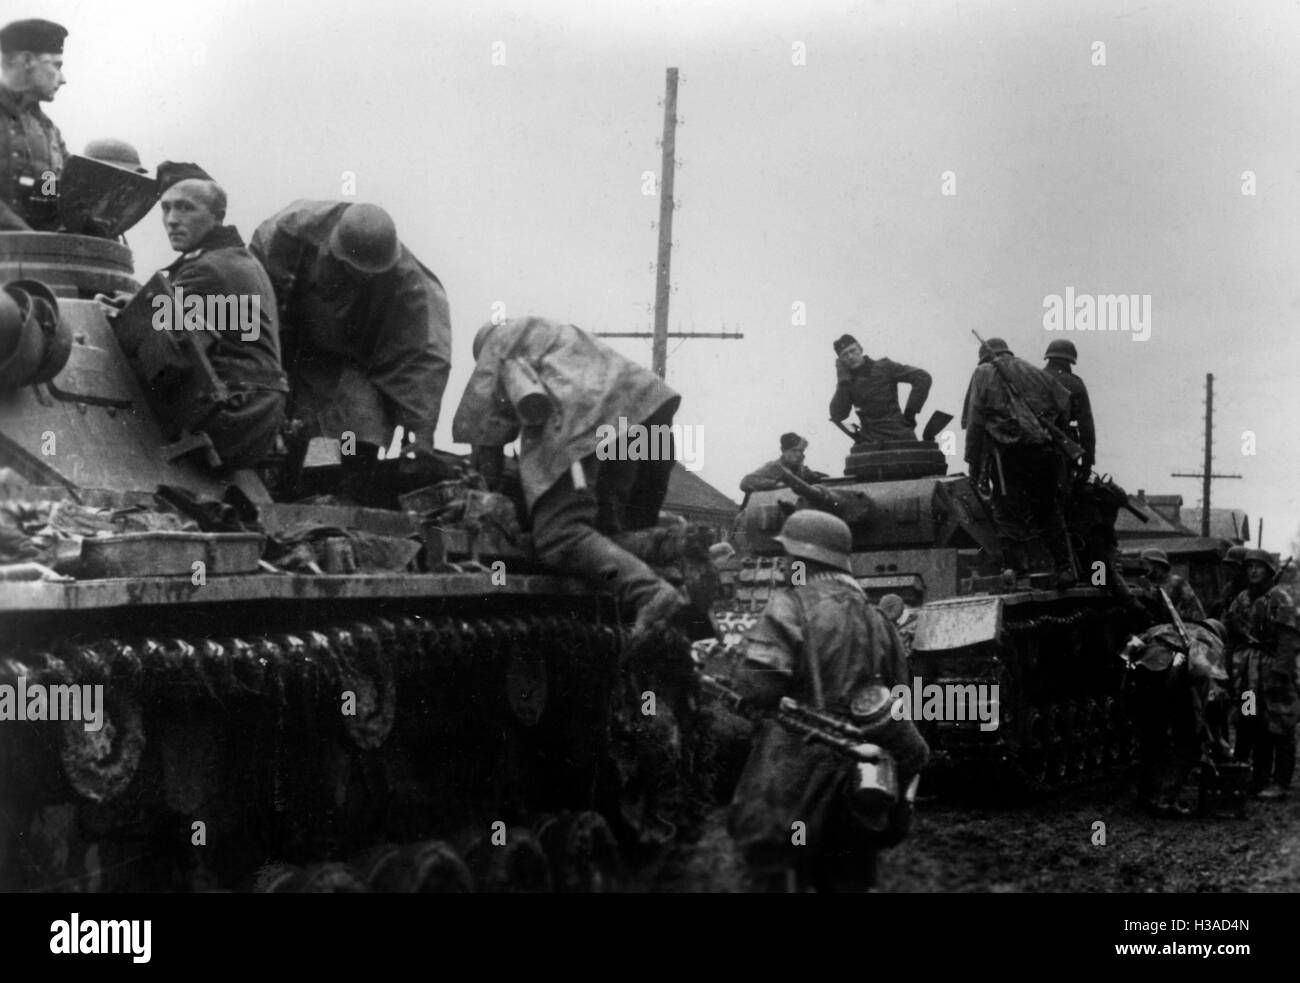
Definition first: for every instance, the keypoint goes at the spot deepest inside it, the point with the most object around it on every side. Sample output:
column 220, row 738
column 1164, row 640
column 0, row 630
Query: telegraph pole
column 663, row 269
column 1207, row 470
column 659, row 351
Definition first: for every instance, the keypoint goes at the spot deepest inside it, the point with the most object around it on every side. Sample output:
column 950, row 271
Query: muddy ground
column 1046, row 847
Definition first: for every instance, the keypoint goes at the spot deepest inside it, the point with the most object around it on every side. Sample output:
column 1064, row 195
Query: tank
column 257, row 729
column 1029, row 676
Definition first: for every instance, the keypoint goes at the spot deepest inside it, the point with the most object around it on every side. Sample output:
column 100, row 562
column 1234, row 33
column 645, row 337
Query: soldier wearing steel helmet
column 1060, row 355
column 365, row 326
column 1265, row 640
column 1006, row 443
column 1159, row 576
column 32, row 151
column 819, row 641
column 1233, row 567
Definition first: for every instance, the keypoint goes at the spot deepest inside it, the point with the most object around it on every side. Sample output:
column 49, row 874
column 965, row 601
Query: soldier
column 1176, row 702
column 871, row 387
column 1179, row 591
column 1234, row 577
column 1060, row 356
column 214, row 262
column 367, row 331
column 769, row 476
column 31, row 148
column 1007, row 441
column 577, row 488
column 819, row 643
column 1266, row 661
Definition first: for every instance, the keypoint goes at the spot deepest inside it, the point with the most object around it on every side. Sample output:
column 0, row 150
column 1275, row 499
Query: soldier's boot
column 1174, row 782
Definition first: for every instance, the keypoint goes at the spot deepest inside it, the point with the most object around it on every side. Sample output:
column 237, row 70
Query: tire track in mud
column 1048, row 847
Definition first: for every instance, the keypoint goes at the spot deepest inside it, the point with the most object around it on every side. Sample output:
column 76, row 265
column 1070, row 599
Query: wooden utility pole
column 1207, row 470
column 663, row 269
column 659, row 352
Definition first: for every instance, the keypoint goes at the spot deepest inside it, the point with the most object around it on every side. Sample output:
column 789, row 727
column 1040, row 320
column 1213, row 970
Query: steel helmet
column 119, row 153
column 818, row 536
column 1062, row 349
column 365, row 238
column 1264, row 557
column 1218, row 627
column 1235, row 554
column 992, row 347
column 481, row 338
column 1156, row 556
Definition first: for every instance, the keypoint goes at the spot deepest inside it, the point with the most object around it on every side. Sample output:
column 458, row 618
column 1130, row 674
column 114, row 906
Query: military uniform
column 1078, row 416
column 1170, row 704
column 825, row 641
column 769, row 477
column 243, row 430
column 30, row 147
column 362, row 355
column 872, row 389
column 1027, row 472
column 1266, row 662
column 590, row 386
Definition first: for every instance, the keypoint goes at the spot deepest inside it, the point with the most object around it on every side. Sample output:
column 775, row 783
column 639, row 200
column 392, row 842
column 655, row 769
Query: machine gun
column 875, row 788
column 1060, row 439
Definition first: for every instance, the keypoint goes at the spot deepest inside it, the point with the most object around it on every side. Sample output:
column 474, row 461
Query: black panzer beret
column 38, row 36
column 171, row 172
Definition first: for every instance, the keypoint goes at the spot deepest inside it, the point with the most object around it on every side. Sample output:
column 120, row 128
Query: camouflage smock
column 1266, row 656
column 786, row 779
column 590, row 386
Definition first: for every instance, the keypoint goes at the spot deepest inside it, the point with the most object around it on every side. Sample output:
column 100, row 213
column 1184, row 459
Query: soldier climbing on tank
column 1265, row 643
column 215, row 265
column 1012, row 414
column 871, row 387
column 1178, row 590
column 770, row 475
column 366, row 331
column 820, row 643
column 555, row 387
column 32, row 151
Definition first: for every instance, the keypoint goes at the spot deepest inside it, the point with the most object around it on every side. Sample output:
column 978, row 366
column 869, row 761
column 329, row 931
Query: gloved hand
column 910, row 420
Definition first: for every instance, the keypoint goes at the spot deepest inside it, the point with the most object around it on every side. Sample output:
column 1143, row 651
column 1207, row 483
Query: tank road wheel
column 100, row 764
column 518, row 866
column 422, row 868
column 583, row 853
column 326, row 878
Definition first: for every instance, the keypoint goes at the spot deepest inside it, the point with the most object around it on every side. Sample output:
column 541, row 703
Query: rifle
column 1277, row 577
column 1059, row 437
column 1180, row 657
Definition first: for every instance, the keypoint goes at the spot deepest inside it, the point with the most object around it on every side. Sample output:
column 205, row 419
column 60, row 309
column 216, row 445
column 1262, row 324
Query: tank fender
column 958, row 622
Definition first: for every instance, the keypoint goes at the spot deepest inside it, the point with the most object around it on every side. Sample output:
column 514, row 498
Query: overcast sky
column 817, row 184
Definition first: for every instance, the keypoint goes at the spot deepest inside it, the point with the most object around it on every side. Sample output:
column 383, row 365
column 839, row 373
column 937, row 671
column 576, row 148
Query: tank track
column 1062, row 715
column 296, row 759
